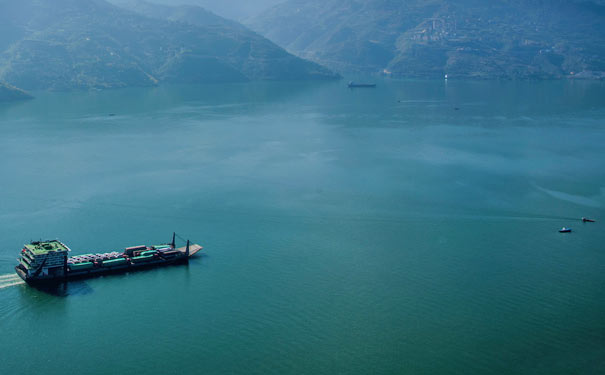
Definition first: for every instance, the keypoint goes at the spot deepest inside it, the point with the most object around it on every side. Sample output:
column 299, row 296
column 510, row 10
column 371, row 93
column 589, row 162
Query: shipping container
column 141, row 259
column 81, row 266
column 149, row 252
column 115, row 262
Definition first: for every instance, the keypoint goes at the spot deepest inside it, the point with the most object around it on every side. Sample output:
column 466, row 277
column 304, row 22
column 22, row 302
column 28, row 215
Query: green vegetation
column 67, row 44
column 41, row 248
column 430, row 38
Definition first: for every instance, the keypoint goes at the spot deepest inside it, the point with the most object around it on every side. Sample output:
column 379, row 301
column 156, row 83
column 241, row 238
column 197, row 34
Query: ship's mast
column 173, row 238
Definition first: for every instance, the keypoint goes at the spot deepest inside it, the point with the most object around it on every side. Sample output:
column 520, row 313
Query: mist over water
column 410, row 228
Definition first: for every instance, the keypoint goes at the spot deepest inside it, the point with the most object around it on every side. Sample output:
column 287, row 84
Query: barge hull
column 182, row 258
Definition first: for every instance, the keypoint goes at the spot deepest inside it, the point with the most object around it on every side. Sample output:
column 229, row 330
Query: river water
column 406, row 229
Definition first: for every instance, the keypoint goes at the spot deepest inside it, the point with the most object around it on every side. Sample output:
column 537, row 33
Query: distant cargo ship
column 44, row 262
column 353, row 84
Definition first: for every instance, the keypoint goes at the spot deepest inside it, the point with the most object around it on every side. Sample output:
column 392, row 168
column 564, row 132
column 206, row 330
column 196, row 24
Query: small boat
column 587, row 220
column 353, row 84
column 565, row 230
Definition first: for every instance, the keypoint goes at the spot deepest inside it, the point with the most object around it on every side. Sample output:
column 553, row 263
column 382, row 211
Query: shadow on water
column 81, row 287
column 197, row 259
column 72, row 288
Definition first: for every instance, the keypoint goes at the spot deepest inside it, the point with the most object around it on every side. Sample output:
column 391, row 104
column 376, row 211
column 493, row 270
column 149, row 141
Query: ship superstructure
column 44, row 259
column 48, row 261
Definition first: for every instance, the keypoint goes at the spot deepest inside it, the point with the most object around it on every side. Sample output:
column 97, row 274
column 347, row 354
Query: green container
column 114, row 262
column 81, row 266
column 142, row 258
column 149, row 252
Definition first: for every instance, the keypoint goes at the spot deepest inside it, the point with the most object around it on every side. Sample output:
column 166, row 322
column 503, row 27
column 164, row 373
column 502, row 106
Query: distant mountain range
column 11, row 93
column 430, row 38
column 233, row 9
column 67, row 44
column 191, row 14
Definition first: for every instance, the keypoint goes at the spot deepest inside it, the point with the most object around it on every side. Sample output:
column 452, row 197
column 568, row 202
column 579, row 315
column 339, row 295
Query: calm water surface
column 407, row 229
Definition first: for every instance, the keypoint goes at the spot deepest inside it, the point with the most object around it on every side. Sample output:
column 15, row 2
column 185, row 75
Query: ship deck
column 193, row 249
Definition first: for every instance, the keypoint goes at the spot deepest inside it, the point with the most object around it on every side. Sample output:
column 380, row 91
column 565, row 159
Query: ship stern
column 22, row 273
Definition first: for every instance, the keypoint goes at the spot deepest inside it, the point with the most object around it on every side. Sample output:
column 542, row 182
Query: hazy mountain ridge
column 10, row 93
column 262, row 49
column 429, row 38
column 237, row 10
column 191, row 14
column 65, row 44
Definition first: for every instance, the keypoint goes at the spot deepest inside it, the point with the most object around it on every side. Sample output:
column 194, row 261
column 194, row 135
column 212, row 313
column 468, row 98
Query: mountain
column 232, row 9
column 11, row 93
column 194, row 15
column 430, row 38
column 66, row 44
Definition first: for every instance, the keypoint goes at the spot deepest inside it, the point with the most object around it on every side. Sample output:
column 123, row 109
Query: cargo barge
column 47, row 262
column 361, row 85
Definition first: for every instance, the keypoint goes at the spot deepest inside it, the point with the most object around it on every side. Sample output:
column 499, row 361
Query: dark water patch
column 66, row 289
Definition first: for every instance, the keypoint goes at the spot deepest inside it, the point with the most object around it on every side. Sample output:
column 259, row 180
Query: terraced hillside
column 430, row 38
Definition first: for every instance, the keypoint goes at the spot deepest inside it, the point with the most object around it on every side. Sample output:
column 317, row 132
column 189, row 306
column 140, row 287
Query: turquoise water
column 407, row 229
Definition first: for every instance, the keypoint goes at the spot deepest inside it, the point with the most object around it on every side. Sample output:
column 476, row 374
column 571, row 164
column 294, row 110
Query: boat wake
column 9, row 280
column 20, row 282
column 9, row 276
